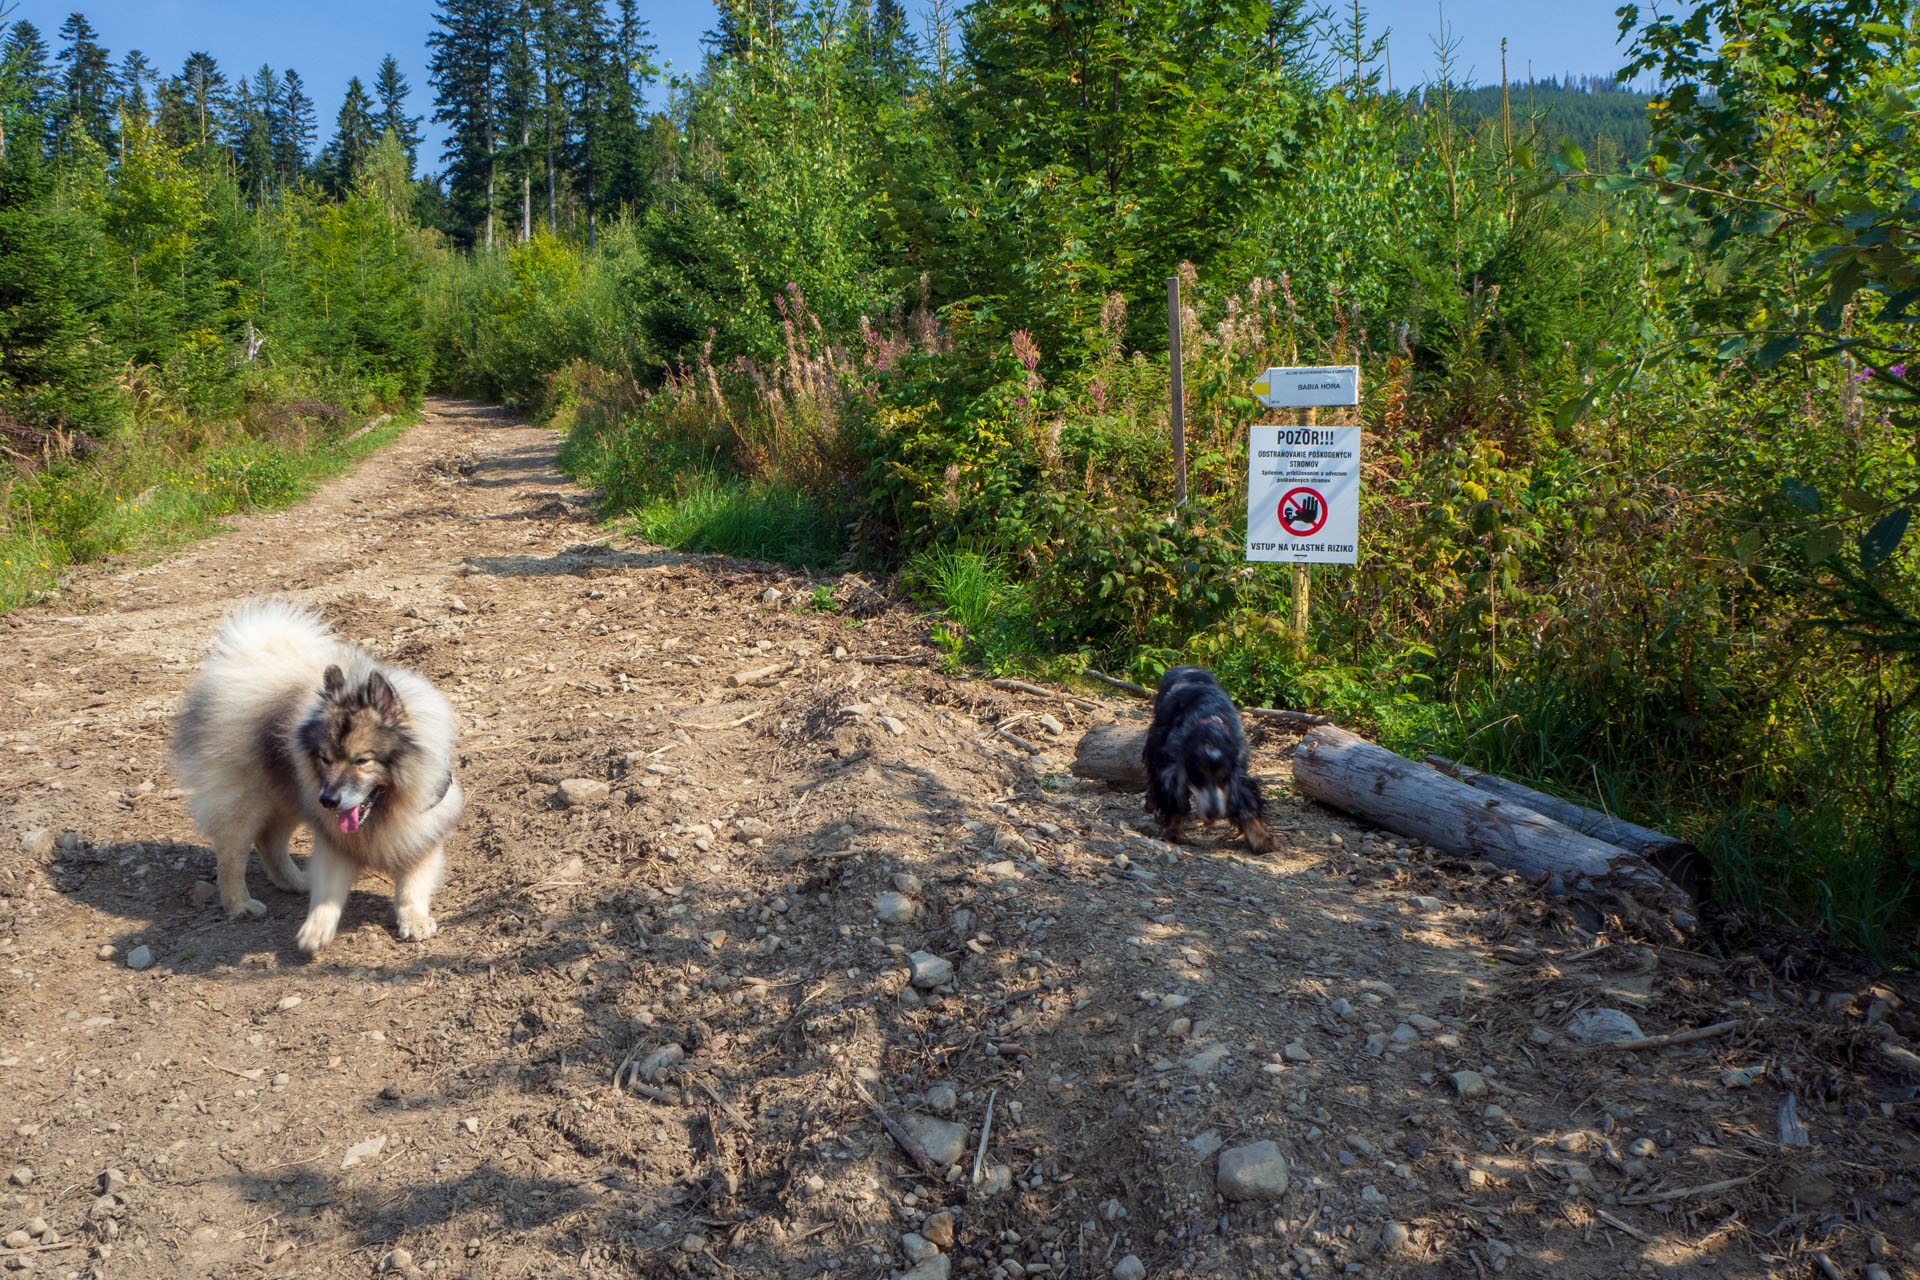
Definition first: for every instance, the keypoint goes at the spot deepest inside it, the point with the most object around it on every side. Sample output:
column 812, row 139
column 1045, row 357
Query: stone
column 770, row 596
column 1129, row 1268
column 660, row 1061
column 1207, row 1061
column 202, row 892
column 360, row 1151
column 1394, row 1237
column 1740, row 1077
column 929, row 970
column 1005, row 871
column 751, row 829
column 112, row 1182
column 470, row 1125
column 580, row 793
column 1206, row 1144
column 140, row 957
column 939, row 1229
column 935, row 1268
column 1257, row 1171
column 943, row 1098
column 997, row 1179
column 1642, row 1147
column 1809, row 1188
column 22, row 1176
column 944, row 1140
column 917, row 1247
column 18, row 1239
column 107, row 951
column 37, row 843
column 1296, row 1052
column 400, row 1260
column 1603, row 1026
column 37, row 1227
column 1425, row 903
column 894, row 908
column 288, row 1002
column 1469, row 1084
column 1403, row 1036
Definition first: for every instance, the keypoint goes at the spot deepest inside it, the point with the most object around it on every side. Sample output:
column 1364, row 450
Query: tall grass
column 761, row 521
column 162, row 484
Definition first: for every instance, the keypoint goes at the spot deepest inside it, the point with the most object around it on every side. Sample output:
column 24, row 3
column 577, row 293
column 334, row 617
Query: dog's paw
column 293, row 879
column 318, row 931
column 417, row 926
column 251, row 909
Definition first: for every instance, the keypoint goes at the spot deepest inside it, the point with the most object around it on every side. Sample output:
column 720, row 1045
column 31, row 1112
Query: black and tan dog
column 289, row 725
column 1196, row 758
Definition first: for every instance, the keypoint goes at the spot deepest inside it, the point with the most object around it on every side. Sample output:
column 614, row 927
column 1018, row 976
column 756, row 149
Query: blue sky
column 327, row 43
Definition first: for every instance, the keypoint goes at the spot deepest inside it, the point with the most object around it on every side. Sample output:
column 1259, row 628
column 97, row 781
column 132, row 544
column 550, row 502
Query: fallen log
column 1677, row 858
column 1113, row 754
column 1347, row 772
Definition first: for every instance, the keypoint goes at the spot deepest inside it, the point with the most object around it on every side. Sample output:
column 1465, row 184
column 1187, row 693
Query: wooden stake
column 1176, row 394
column 1302, row 580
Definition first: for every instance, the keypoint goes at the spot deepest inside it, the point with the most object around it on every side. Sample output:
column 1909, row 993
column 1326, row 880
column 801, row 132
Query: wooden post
column 1177, row 393
column 1302, row 578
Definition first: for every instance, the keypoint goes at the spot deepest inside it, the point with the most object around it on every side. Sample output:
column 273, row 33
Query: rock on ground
column 1257, row 1171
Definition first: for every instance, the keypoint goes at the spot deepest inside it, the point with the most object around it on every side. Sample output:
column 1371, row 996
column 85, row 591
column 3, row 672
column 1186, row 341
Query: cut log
column 1677, row 858
column 1347, row 772
column 1114, row 754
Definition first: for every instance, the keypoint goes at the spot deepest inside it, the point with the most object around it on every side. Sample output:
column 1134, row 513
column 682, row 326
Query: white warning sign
column 1303, row 494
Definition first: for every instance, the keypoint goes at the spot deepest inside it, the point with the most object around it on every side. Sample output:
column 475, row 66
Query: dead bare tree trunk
column 1347, row 772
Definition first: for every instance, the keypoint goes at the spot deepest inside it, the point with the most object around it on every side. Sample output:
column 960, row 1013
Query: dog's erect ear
column 382, row 698
column 335, row 679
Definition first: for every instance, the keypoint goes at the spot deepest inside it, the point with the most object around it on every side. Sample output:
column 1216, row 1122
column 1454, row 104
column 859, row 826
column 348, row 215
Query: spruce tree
column 390, row 87
column 26, row 83
column 354, row 137
column 520, row 102
column 136, row 73
column 468, row 67
column 194, row 104
column 256, row 120
column 87, row 84
column 628, row 156
column 293, row 139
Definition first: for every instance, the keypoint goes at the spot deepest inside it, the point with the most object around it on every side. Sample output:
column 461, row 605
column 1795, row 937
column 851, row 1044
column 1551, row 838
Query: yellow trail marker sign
column 1309, row 388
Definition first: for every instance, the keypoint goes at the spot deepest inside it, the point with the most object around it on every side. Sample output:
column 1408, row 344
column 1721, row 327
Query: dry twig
column 1128, row 685
column 1678, row 1037
column 986, row 1128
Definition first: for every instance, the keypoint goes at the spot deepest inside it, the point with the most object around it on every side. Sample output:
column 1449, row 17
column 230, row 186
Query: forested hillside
column 870, row 294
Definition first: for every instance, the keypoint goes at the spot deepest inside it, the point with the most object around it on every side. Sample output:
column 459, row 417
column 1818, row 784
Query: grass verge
column 144, row 493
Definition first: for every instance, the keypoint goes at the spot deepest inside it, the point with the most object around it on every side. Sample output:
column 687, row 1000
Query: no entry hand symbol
column 1303, row 511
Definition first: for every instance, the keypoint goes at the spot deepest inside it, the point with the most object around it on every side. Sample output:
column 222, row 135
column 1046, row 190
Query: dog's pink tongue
column 350, row 820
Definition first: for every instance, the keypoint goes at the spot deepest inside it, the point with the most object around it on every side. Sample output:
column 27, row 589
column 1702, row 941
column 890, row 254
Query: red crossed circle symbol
column 1303, row 511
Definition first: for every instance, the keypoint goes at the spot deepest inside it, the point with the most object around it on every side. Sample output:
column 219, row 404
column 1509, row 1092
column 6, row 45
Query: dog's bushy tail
column 268, row 626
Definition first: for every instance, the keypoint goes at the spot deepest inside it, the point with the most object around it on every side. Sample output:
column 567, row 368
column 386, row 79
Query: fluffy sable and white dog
column 287, row 723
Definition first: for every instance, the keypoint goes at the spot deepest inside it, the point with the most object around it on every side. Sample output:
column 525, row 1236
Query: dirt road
column 639, row 1042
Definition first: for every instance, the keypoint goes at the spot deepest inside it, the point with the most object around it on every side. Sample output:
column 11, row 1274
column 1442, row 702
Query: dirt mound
column 646, row 1037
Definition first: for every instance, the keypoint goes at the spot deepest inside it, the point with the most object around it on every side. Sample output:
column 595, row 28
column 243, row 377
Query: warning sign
column 1303, row 494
